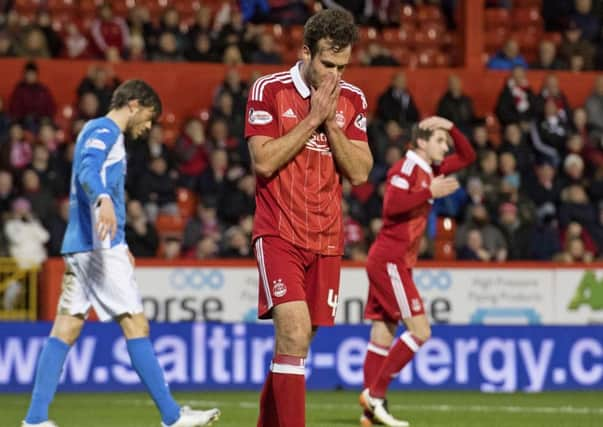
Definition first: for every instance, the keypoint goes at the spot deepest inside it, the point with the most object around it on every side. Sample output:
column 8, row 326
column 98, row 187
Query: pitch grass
column 328, row 409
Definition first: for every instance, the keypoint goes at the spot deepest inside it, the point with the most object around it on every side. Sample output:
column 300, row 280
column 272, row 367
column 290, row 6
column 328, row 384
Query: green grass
column 328, row 409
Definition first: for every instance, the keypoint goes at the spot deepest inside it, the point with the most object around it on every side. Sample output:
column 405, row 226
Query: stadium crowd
column 537, row 194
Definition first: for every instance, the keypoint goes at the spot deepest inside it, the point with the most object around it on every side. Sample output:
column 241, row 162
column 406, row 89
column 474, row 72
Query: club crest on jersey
column 259, row 117
column 340, row 119
column 416, row 304
column 278, row 289
column 360, row 122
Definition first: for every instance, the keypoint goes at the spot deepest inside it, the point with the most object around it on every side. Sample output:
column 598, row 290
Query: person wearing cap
column 573, row 45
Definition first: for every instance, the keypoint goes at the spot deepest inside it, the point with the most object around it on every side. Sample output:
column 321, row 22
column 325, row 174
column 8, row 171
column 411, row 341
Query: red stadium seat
column 426, row 38
column 497, row 17
column 443, row 250
column 187, row 202
column 429, row 13
column 366, row 34
column 525, row 17
column 407, row 15
column 169, row 225
column 495, row 38
column 427, row 58
column 445, row 228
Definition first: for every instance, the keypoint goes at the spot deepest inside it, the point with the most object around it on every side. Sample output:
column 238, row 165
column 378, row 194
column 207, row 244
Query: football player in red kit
column 306, row 128
column 412, row 184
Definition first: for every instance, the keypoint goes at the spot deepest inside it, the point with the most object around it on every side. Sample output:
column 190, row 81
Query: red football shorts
column 393, row 295
column 289, row 273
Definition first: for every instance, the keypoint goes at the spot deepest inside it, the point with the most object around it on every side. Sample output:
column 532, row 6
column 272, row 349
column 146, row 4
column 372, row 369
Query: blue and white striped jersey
column 99, row 168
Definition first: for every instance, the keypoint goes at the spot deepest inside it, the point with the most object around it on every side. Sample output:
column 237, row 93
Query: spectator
column 207, row 248
column 202, row 24
column 17, row 152
column 7, row 193
column 213, row 181
column 508, row 170
column 545, row 236
column 172, row 248
column 26, row 236
column 553, row 130
column 53, row 39
column 267, row 51
column 4, row 122
column 31, row 100
column 56, row 224
column 236, row 244
column 141, row 234
column 232, row 56
column 573, row 171
column 33, row 44
column 456, row 106
column 39, row 197
column 574, row 46
column 76, row 44
column 137, row 48
column 515, row 143
column 191, row 153
column 239, row 200
column 594, row 110
column 585, row 19
column 545, row 189
column 170, row 23
column 516, row 102
column 109, row 31
column 167, row 51
column 508, row 58
column 157, row 190
column 473, row 249
column 551, row 91
column 493, row 240
column 7, row 46
column 201, row 50
column 574, row 252
column 517, row 234
column 575, row 230
column 101, row 82
column 143, row 152
column 204, row 224
column 88, row 106
column 397, row 104
column 376, row 55
column 224, row 111
column 49, row 174
column 547, row 57
column 237, row 88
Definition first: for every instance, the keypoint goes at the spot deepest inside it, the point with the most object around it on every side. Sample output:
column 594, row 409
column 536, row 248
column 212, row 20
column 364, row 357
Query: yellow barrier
column 18, row 291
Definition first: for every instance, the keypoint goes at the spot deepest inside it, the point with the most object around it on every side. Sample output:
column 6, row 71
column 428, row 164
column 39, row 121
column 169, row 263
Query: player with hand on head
column 99, row 266
column 412, row 184
column 306, row 128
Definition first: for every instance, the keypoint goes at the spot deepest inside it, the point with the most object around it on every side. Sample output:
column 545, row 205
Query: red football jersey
column 301, row 203
column 408, row 200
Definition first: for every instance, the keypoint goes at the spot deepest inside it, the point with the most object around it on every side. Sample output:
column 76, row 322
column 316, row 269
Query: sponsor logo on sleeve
column 360, row 122
column 95, row 143
column 259, row 117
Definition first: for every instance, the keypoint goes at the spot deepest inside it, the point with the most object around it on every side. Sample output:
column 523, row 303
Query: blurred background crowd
column 535, row 192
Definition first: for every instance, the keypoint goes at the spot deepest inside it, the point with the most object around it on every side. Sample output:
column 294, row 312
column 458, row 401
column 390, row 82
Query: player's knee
column 67, row 331
column 423, row 333
column 294, row 341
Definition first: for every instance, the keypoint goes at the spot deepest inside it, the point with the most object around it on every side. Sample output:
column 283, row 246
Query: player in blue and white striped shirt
column 99, row 267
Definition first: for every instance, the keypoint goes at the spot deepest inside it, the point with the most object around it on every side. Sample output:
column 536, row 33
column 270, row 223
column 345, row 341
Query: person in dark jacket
column 397, row 104
column 456, row 106
column 31, row 100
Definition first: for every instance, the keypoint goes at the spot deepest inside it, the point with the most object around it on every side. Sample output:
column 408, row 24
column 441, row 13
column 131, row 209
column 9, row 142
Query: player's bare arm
column 353, row 158
column 442, row 186
column 270, row 154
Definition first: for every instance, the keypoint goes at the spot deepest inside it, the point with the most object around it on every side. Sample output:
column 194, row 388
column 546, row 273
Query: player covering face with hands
column 99, row 268
column 306, row 129
column 412, row 184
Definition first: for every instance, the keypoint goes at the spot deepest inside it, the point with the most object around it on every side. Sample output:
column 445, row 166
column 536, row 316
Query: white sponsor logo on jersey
column 318, row 142
column 360, row 122
column 259, row 117
column 95, row 143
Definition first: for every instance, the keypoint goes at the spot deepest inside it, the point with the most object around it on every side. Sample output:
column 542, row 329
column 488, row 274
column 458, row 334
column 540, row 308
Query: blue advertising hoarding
column 212, row 356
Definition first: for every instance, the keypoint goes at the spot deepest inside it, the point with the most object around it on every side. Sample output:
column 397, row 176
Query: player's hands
column 324, row 100
column 442, row 186
column 107, row 222
column 436, row 122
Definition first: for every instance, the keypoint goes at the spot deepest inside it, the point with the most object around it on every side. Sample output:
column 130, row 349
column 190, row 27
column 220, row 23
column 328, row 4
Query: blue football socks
column 48, row 373
column 146, row 365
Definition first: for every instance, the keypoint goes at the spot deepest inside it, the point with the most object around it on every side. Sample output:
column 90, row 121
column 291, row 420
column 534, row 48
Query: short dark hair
column 139, row 90
column 335, row 25
column 419, row 133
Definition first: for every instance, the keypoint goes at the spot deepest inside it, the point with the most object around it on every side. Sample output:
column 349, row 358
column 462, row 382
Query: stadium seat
column 525, row 17
column 403, row 55
column 496, row 17
column 407, row 15
column 425, row 39
column 427, row 58
column 366, row 34
column 169, row 225
column 429, row 13
column 187, row 202
column 295, row 35
column 445, row 228
column 495, row 38
column 443, row 250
